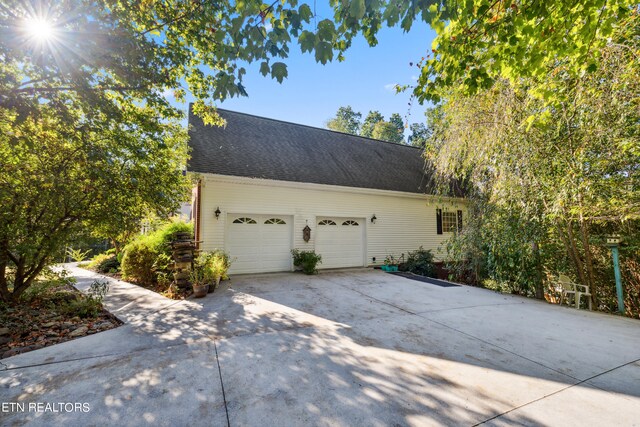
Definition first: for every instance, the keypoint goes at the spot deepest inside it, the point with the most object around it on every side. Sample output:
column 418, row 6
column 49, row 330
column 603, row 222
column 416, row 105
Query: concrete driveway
column 344, row 348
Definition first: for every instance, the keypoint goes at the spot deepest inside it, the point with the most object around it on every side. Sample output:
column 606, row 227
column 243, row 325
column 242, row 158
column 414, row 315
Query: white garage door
column 340, row 241
column 259, row 243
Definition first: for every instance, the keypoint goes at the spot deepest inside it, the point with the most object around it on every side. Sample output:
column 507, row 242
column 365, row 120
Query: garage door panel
column 261, row 244
column 342, row 244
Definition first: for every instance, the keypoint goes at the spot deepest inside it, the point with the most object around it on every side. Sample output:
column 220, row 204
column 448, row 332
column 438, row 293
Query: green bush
column 308, row 260
column 420, row 262
column 89, row 305
column 50, row 286
column 77, row 255
column 105, row 263
column 150, row 254
column 138, row 261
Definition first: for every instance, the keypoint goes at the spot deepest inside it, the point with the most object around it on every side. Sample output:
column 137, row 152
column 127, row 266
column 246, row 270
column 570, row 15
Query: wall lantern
column 306, row 233
column 613, row 242
column 217, row 212
column 373, row 219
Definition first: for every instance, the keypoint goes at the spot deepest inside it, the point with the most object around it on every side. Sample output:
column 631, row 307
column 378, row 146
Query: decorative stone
column 82, row 330
column 4, row 331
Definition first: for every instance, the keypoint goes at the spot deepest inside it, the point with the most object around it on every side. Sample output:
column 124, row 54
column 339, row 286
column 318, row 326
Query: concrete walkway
column 344, row 348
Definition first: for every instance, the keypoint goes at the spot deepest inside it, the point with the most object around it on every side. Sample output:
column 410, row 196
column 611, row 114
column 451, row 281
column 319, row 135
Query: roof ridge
column 314, row 127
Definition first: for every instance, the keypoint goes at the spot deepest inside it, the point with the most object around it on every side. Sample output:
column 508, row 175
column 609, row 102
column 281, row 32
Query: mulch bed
column 37, row 325
column 430, row 280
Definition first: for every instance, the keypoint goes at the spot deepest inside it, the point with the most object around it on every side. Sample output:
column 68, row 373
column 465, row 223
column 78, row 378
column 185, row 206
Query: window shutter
column 439, row 221
column 459, row 220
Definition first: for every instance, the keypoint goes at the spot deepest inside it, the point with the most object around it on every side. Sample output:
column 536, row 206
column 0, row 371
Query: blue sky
column 313, row 92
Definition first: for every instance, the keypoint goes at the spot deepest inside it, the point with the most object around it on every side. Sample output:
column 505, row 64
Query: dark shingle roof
column 259, row 147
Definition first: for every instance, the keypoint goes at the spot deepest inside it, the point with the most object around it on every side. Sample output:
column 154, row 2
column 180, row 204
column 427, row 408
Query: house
column 263, row 181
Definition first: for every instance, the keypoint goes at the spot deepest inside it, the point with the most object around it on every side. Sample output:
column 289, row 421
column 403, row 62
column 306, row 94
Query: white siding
column 404, row 221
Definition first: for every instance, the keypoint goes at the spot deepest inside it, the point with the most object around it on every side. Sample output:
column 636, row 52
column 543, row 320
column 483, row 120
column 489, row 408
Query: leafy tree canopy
column 61, row 171
column 419, row 136
column 346, row 120
column 369, row 122
column 550, row 177
column 387, row 131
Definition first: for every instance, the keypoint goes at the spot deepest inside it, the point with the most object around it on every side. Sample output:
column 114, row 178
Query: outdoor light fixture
column 217, row 212
column 373, row 219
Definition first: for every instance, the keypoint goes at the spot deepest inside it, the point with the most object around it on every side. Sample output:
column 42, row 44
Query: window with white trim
column 350, row 222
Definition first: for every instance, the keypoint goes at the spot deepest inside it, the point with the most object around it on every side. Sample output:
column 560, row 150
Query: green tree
column 396, row 120
column 567, row 174
column 88, row 136
column 346, row 120
column 369, row 122
column 387, row 131
column 481, row 41
column 62, row 172
column 419, row 135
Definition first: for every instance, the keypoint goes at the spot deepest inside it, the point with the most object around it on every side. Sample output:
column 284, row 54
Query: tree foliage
column 374, row 125
column 62, row 171
column 481, row 41
column 369, row 122
column 387, row 131
column 346, row 121
column 566, row 174
column 419, row 136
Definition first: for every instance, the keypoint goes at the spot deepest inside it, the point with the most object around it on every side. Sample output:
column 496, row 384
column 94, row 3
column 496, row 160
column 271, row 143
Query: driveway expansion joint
column 470, row 335
column 560, row 391
column 224, row 396
column 36, row 365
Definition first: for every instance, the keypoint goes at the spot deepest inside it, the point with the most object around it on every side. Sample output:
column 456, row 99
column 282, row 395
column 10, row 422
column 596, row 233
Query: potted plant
column 199, row 280
column 219, row 265
column 390, row 263
column 306, row 260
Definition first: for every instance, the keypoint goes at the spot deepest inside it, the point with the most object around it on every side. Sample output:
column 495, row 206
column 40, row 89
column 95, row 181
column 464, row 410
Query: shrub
column 220, row 264
column 89, row 305
column 50, row 286
column 105, row 263
column 77, row 255
column 391, row 260
column 150, row 254
column 308, row 260
column 138, row 261
column 420, row 262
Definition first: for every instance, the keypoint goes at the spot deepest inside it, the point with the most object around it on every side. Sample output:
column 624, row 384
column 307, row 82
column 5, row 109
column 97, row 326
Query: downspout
column 197, row 218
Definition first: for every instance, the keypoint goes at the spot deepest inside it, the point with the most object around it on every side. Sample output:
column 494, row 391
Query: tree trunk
column 4, row 282
column 584, row 232
column 570, row 245
column 116, row 246
column 576, row 254
column 538, row 280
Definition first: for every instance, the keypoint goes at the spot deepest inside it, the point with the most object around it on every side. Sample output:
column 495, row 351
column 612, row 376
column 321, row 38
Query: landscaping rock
column 4, row 331
column 49, row 324
column 4, row 340
column 82, row 330
column 102, row 325
column 66, row 325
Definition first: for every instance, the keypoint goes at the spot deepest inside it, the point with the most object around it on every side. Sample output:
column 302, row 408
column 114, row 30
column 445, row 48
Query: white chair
column 566, row 287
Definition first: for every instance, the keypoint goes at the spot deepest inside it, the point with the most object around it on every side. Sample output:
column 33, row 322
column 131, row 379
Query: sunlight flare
column 39, row 29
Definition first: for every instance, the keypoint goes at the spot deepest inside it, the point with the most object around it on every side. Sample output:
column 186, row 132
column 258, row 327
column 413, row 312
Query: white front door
column 340, row 241
column 259, row 243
